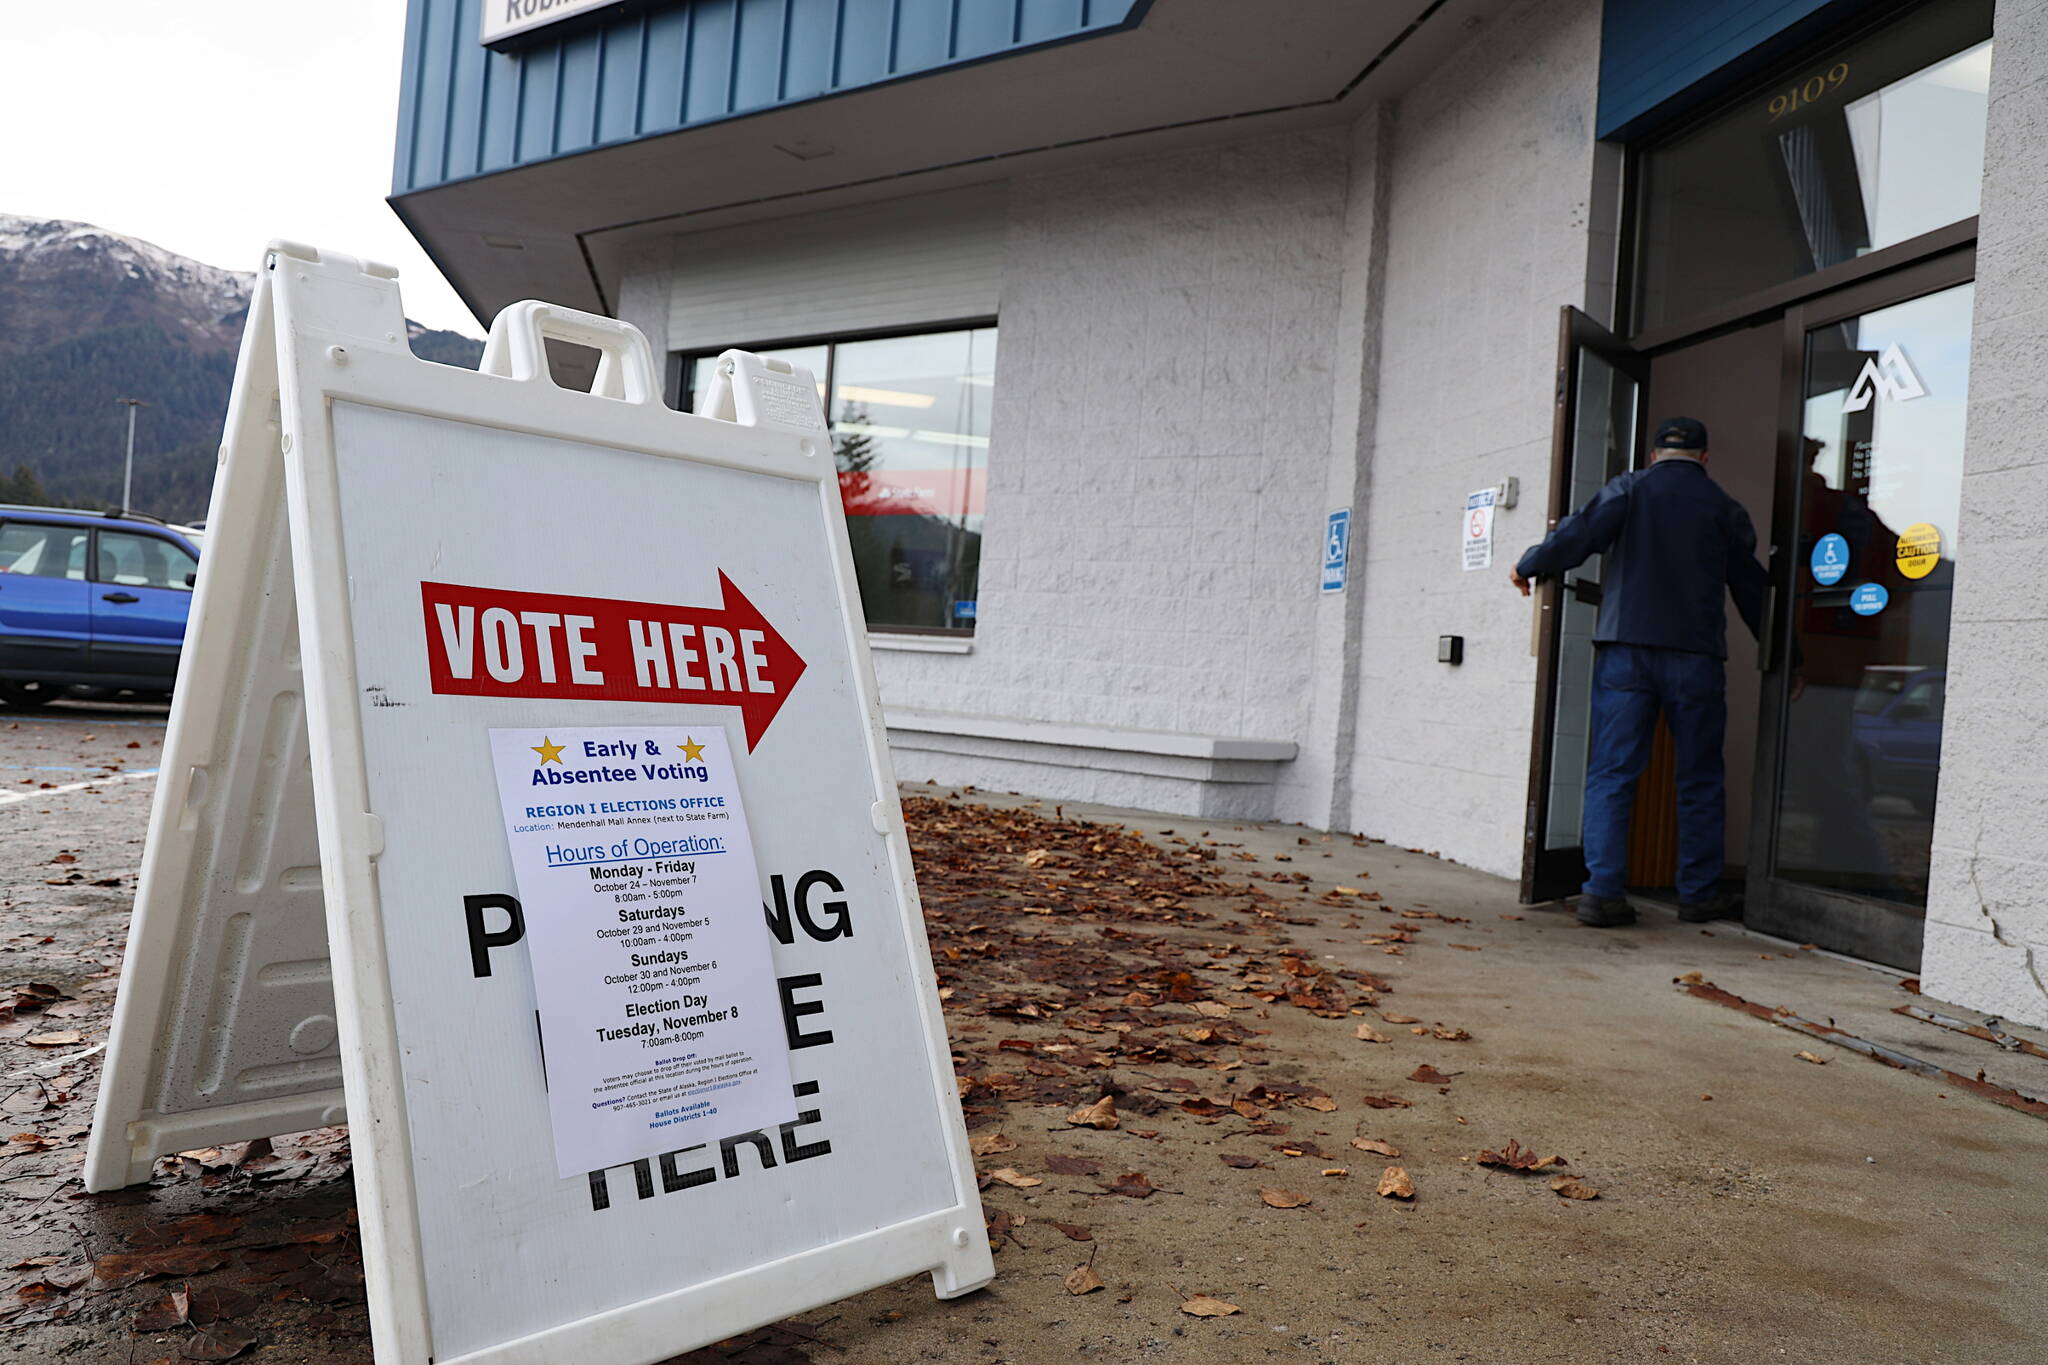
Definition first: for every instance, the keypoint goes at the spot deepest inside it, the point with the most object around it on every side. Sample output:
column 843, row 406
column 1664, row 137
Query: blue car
column 1897, row 729
column 91, row 601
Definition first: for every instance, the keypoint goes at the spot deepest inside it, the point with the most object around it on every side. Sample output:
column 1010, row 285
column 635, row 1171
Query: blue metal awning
column 466, row 111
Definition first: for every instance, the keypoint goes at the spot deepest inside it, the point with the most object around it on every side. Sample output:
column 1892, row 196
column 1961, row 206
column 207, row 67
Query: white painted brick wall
column 1159, row 447
column 1488, row 235
column 1987, row 910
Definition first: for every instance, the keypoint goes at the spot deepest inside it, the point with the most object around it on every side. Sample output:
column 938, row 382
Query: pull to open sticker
column 1869, row 599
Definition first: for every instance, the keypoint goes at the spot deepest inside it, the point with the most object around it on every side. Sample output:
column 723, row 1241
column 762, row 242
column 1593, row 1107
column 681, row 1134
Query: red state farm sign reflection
column 912, row 492
column 490, row 642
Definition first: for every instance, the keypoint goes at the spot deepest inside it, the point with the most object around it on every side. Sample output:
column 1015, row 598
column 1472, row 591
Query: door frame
column 1551, row 873
column 1883, row 931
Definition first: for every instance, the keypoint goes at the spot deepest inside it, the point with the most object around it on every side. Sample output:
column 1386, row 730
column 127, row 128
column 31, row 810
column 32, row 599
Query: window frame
column 1635, row 186
column 91, row 547
column 683, row 366
column 92, row 558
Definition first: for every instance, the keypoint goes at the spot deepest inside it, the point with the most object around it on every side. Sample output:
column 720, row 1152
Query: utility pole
column 128, row 466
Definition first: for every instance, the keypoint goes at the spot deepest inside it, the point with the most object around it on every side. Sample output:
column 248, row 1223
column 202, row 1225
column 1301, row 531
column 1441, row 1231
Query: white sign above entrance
column 504, row 19
column 658, row 609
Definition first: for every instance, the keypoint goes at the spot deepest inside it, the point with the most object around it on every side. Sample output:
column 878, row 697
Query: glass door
column 1869, row 491
column 1595, row 430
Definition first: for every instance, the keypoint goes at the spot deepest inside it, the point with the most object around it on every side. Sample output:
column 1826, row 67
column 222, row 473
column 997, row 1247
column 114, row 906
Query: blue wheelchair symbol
column 1830, row 559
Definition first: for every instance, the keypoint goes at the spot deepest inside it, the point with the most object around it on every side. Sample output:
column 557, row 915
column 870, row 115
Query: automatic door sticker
column 658, row 1007
column 1869, row 599
column 1830, row 559
column 1919, row 550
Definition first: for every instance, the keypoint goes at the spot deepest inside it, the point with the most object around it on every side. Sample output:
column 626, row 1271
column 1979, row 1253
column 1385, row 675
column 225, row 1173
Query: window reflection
column 1885, row 401
column 910, row 422
column 910, row 432
column 1857, row 150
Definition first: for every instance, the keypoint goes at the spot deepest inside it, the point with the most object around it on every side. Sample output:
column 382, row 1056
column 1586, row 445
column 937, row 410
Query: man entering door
column 1676, row 547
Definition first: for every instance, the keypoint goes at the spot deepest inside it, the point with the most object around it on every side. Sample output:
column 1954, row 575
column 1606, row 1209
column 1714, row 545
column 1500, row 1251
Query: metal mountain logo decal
column 1891, row 374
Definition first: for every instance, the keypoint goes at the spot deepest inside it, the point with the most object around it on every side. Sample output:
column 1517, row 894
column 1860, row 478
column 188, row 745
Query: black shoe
column 1720, row 905
column 1603, row 912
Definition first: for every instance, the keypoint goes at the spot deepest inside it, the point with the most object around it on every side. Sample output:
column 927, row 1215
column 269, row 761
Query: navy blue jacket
column 1676, row 546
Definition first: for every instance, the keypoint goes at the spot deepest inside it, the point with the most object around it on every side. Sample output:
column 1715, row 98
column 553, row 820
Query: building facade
column 1115, row 306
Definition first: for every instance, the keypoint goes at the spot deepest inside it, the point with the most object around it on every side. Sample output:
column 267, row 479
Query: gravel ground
column 1833, row 1212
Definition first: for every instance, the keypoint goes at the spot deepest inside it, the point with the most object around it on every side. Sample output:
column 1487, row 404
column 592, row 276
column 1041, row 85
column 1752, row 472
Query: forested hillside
column 88, row 317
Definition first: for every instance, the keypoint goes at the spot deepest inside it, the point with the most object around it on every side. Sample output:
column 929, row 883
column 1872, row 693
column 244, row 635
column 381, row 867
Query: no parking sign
column 526, row 797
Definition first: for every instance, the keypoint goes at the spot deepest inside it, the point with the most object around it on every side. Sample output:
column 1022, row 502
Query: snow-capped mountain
column 88, row 317
column 60, row 280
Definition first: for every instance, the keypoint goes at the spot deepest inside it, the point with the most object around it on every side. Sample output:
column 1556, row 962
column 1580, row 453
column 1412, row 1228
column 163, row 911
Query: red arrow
column 493, row 642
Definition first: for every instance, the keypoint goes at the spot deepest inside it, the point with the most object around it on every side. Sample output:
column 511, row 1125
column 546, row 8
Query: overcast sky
column 211, row 126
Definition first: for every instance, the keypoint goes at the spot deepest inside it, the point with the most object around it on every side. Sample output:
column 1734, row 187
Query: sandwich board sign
column 526, row 806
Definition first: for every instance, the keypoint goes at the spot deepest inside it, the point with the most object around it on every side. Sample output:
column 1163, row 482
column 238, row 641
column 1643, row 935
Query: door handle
column 123, row 597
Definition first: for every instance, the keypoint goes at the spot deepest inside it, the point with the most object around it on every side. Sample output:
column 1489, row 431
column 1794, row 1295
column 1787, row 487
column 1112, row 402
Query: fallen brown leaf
column 1428, row 1075
column 1813, row 1057
column 988, row 1144
column 1073, row 1232
column 1016, row 1180
column 1242, row 1163
column 61, row 1038
column 1072, row 1165
column 1133, row 1184
column 1395, row 1184
column 218, row 1341
column 1283, row 1199
column 167, row 1312
column 1204, row 1306
column 1387, row 1102
column 1378, row 1145
column 1368, row 1034
column 211, row 1304
column 200, row 1227
column 1571, row 1187
column 1083, row 1280
column 1101, row 1114
column 130, row 1267
column 1399, row 1018
column 1514, row 1157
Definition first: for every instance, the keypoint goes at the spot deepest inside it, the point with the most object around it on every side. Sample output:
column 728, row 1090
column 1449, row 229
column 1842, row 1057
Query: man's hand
column 1798, row 683
column 1515, row 577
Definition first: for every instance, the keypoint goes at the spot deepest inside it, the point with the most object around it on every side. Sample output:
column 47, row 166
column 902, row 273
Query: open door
column 1594, row 435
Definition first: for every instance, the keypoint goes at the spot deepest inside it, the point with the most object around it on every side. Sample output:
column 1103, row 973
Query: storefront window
column 1856, row 150
column 910, row 426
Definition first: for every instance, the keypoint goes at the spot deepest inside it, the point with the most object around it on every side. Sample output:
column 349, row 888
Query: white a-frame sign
column 410, row 566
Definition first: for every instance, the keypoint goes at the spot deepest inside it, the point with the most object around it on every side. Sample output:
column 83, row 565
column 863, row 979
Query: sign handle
column 517, row 349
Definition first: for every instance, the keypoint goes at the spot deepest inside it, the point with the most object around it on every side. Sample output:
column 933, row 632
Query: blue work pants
column 1631, row 683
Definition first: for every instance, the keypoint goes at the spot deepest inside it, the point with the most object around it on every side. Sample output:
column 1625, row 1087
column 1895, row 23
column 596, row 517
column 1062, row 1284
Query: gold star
column 693, row 752
column 549, row 751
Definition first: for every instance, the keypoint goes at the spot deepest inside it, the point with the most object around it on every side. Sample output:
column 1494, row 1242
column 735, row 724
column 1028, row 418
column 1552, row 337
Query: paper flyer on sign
column 660, row 1023
column 1479, row 528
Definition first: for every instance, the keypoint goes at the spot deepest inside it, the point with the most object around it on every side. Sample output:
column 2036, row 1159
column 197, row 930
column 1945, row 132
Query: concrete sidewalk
column 1754, row 1205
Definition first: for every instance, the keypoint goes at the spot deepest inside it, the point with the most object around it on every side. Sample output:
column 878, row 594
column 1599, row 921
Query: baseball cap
column 1681, row 433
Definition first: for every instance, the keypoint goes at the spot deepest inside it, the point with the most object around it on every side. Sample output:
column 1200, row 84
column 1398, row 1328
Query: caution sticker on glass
column 1919, row 550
